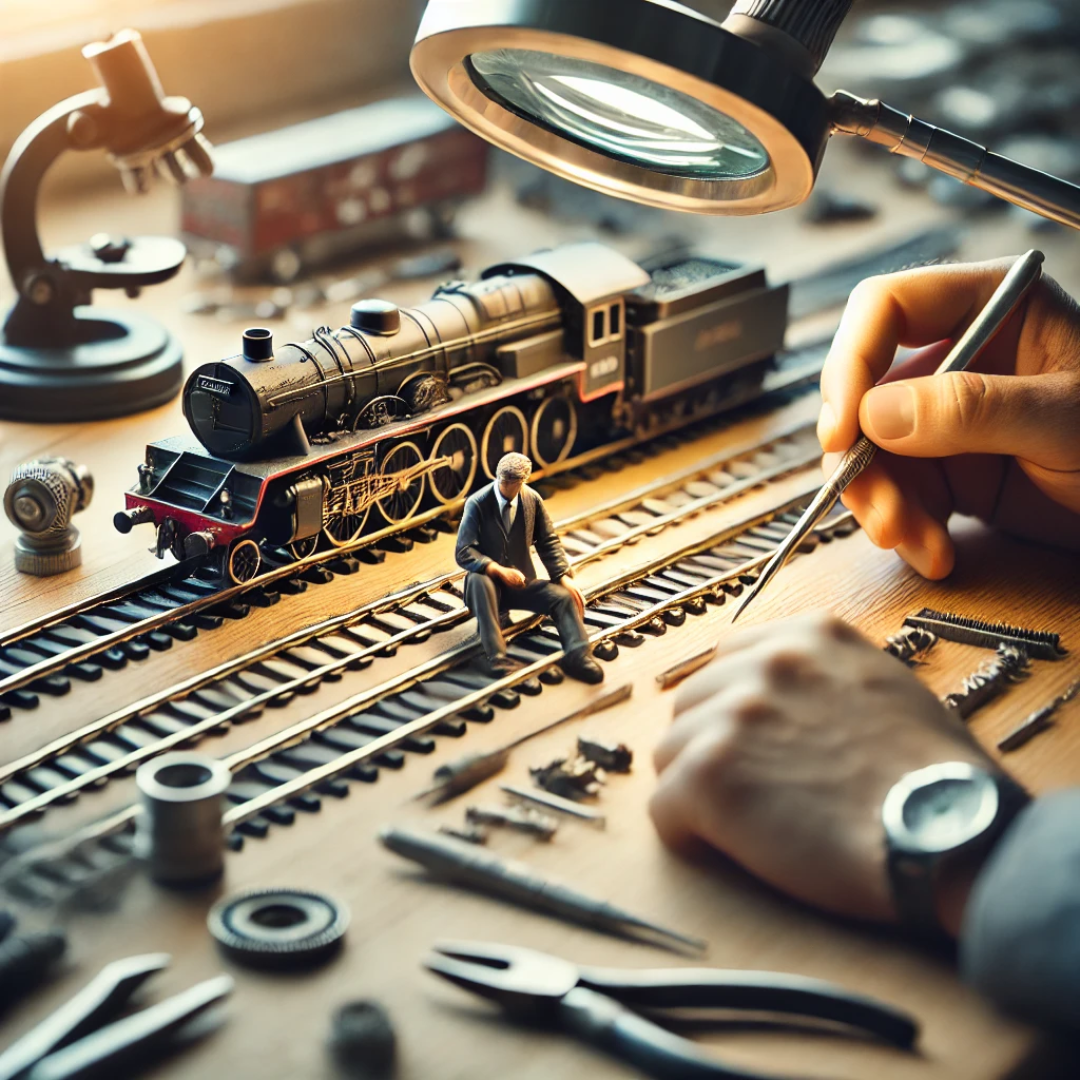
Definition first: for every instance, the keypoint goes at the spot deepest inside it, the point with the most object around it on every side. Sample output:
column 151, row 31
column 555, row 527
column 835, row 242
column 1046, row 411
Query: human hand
column 570, row 585
column 1000, row 441
column 782, row 752
column 509, row 576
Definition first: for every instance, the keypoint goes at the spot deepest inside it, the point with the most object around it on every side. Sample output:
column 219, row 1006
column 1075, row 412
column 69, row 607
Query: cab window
column 599, row 326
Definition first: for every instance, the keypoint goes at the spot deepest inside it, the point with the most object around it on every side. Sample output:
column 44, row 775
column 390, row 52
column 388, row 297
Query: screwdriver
column 464, row 864
column 457, row 777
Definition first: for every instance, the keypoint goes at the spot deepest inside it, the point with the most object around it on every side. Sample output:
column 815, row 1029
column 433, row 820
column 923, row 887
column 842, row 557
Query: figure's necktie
column 506, row 517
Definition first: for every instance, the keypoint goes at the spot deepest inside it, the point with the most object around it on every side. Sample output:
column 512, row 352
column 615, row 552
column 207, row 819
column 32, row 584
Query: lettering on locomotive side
column 718, row 335
column 607, row 365
column 214, row 386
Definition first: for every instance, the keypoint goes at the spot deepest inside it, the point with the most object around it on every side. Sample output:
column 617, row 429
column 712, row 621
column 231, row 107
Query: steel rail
column 118, row 820
column 778, row 383
column 33, row 807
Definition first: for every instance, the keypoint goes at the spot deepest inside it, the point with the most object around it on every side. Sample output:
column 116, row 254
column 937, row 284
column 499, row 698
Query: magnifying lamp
column 660, row 102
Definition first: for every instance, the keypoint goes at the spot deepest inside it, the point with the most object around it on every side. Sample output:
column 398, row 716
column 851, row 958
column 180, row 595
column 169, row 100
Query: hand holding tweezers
column 597, row 1004
column 76, row 1039
column 1022, row 275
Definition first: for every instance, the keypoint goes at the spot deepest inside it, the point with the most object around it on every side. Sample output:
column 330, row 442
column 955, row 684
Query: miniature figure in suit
column 500, row 525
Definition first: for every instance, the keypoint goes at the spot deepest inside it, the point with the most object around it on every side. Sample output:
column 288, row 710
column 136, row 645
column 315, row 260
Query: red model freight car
column 292, row 199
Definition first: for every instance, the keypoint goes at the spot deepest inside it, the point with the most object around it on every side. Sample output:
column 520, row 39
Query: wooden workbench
column 276, row 1025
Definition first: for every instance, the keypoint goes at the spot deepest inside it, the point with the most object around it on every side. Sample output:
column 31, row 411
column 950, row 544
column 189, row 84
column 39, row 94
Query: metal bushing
column 280, row 928
column 179, row 831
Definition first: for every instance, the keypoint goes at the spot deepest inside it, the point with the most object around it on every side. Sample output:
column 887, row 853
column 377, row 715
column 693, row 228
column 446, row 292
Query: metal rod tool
column 1023, row 274
column 464, row 864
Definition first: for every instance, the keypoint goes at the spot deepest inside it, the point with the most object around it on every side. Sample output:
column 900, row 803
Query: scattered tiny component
column 40, row 501
column 471, row 834
column 911, row 645
column 279, row 928
column 457, row 777
column 827, row 207
column 1038, row 644
column 440, row 261
column 465, row 865
column 569, row 778
column 992, row 679
column 554, row 802
column 1038, row 721
column 179, row 832
column 362, row 1040
column 76, row 1039
column 612, row 757
column 25, row 960
column 523, row 819
column 600, row 1005
column 685, row 668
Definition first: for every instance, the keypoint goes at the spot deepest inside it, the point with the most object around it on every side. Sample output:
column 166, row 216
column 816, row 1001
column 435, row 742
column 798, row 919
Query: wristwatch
column 937, row 819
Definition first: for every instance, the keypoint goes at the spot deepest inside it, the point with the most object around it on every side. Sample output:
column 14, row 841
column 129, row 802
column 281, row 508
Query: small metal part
column 685, row 668
column 25, row 959
column 463, row 864
column 471, row 834
column 1038, row 644
column 179, row 831
column 612, row 757
column 911, row 645
column 457, row 777
column 40, row 502
column 552, row 802
column 1038, row 721
column 570, row 778
column 523, row 819
column 279, row 927
column 993, row 678
column 362, row 1040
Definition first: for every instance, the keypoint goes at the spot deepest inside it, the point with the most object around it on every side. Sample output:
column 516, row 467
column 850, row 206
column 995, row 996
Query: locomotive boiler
column 362, row 427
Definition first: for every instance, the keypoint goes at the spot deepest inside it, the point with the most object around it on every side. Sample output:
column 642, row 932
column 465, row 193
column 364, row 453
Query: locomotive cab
column 591, row 282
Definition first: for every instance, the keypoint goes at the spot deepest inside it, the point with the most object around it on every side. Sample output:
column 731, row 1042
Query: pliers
column 595, row 1003
column 77, row 1040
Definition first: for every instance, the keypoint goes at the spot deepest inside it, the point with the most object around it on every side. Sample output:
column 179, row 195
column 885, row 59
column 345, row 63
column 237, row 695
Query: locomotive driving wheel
column 343, row 529
column 301, row 549
column 401, row 502
column 243, row 561
column 452, row 481
column 506, row 432
column 554, row 429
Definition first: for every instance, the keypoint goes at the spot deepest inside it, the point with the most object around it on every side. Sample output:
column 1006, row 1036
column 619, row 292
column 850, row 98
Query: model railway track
column 126, row 624
column 291, row 770
column 275, row 672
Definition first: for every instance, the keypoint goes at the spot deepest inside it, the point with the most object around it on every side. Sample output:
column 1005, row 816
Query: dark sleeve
column 1020, row 942
column 547, row 543
column 468, row 554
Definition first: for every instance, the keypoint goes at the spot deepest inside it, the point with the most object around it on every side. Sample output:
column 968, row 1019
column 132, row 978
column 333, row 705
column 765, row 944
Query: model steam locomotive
column 551, row 355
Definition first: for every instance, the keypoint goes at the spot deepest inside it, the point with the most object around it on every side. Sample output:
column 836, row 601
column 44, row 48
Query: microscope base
column 126, row 363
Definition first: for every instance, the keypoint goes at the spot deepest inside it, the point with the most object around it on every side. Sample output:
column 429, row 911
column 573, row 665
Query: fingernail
column 826, row 424
column 890, row 411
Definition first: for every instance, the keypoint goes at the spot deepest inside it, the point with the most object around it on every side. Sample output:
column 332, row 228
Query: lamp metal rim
column 656, row 40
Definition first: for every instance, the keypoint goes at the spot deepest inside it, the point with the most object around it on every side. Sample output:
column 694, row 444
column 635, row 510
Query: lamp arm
column 902, row 133
column 31, row 157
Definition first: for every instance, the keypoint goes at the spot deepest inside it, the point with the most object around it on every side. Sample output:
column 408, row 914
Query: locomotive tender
column 550, row 355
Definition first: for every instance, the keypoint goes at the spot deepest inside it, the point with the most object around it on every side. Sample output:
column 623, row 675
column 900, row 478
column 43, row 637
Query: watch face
column 940, row 808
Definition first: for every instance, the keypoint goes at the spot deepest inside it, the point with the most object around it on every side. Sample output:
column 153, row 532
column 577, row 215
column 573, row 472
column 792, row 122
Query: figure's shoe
column 498, row 666
column 581, row 666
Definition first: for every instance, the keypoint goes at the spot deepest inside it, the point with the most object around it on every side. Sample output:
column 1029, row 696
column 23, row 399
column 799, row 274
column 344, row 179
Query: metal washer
column 278, row 927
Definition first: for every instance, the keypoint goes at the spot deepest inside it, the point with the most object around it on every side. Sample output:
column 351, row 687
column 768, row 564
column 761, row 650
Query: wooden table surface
column 275, row 1025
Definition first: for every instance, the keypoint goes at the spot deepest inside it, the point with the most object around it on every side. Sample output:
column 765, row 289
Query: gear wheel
column 279, row 928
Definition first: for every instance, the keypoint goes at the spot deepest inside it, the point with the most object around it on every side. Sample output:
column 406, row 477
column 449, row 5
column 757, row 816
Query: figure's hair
column 514, row 467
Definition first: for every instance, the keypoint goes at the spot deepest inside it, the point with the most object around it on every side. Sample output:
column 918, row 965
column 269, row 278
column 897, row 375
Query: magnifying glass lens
column 619, row 114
